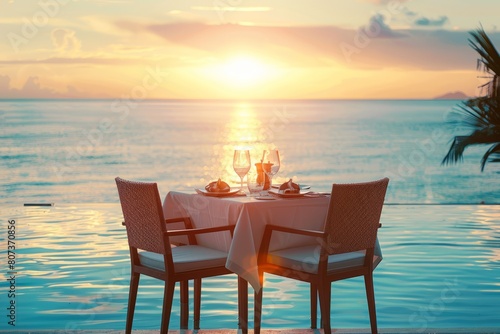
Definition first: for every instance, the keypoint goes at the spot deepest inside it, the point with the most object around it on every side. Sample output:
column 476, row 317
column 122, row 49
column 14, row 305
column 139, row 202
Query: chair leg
column 257, row 303
column 132, row 297
column 242, row 305
column 168, row 296
column 197, row 302
column 325, row 293
column 314, row 305
column 257, row 311
column 370, row 296
column 184, row 292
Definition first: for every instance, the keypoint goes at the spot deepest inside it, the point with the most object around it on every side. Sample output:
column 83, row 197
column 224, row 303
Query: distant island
column 458, row 95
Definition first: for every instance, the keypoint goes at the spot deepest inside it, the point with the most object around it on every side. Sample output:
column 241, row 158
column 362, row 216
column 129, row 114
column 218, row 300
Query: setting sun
column 244, row 71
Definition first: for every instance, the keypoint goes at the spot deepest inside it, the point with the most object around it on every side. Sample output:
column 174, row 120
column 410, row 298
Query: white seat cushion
column 186, row 258
column 306, row 258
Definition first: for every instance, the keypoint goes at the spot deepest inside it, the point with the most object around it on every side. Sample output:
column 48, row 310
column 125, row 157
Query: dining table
column 250, row 215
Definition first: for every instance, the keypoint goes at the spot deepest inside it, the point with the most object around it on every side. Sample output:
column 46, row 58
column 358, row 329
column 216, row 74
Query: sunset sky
column 244, row 49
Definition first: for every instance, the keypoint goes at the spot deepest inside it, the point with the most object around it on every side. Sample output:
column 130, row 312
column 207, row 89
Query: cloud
column 33, row 89
column 4, row 83
column 378, row 28
column 419, row 50
column 424, row 21
column 216, row 8
column 375, row 45
column 384, row 2
column 185, row 15
column 417, row 20
column 73, row 60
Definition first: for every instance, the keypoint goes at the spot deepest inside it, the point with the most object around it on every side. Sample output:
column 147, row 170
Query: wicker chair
column 151, row 252
column 345, row 249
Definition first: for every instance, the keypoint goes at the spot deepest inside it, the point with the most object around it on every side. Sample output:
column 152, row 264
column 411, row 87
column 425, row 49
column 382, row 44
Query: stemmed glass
column 271, row 164
column 241, row 164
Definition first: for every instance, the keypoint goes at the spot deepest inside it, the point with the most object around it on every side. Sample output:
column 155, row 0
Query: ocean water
column 441, row 264
column 70, row 151
column 441, row 269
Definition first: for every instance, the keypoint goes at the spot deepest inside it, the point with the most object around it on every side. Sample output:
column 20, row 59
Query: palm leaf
column 490, row 59
column 477, row 114
column 483, row 45
column 460, row 143
column 480, row 115
column 495, row 149
column 456, row 151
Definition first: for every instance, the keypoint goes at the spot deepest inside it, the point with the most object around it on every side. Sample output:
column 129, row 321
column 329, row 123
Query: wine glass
column 241, row 164
column 271, row 164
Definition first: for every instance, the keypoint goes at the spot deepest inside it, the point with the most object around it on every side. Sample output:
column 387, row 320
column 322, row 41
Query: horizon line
column 233, row 99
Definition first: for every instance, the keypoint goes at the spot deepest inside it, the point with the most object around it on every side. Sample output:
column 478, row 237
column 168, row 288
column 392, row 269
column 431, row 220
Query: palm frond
column 490, row 160
column 495, row 149
column 460, row 143
column 477, row 114
column 480, row 115
column 483, row 45
column 490, row 59
column 456, row 151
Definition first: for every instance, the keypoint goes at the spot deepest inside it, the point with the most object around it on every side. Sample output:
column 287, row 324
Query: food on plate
column 218, row 186
column 289, row 188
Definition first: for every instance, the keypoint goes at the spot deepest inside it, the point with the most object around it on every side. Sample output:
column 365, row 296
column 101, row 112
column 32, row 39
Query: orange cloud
column 374, row 45
column 33, row 89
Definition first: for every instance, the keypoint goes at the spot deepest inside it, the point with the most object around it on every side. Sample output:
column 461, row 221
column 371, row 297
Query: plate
column 302, row 186
column 275, row 192
column 265, row 198
column 217, row 194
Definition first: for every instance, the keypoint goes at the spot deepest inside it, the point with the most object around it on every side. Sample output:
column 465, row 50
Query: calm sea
column 441, row 262
column 68, row 151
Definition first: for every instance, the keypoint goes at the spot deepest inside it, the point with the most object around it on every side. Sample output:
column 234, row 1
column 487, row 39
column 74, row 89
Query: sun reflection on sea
column 244, row 130
column 490, row 232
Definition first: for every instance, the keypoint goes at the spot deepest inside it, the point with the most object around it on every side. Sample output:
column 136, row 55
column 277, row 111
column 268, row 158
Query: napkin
column 289, row 187
column 218, row 186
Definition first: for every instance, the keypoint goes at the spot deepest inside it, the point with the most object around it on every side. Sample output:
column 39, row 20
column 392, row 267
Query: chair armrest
column 266, row 240
column 187, row 225
column 195, row 231
column 186, row 220
column 311, row 233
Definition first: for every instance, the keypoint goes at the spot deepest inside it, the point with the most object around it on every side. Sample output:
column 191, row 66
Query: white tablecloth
column 250, row 217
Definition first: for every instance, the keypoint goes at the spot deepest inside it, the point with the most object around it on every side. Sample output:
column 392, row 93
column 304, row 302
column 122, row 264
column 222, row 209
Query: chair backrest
column 143, row 215
column 354, row 216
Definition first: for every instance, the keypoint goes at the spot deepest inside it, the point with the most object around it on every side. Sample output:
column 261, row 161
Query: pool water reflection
column 441, row 269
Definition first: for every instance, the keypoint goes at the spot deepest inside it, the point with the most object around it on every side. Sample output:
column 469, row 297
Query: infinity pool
column 441, row 269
